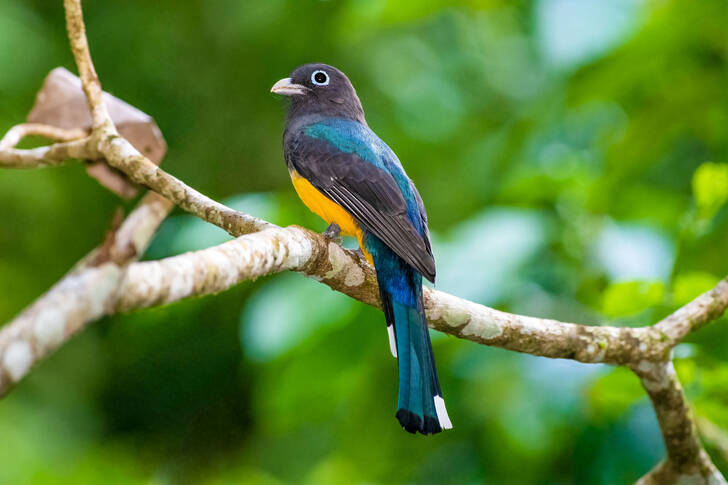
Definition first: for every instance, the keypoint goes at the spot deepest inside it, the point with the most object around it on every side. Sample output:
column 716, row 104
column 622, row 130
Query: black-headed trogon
column 344, row 173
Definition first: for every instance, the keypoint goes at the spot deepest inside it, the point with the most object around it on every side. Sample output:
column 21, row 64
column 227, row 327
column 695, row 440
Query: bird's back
column 352, row 137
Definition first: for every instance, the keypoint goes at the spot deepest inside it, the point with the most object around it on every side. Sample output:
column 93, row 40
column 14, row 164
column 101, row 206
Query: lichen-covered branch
column 87, row 72
column 87, row 294
column 273, row 250
column 215, row 269
column 277, row 249
column 120, row 154
column 55, row 154
column 544, row 337
column 705, row 308
column 686, row 461
column 80, row 297
column 18, row 132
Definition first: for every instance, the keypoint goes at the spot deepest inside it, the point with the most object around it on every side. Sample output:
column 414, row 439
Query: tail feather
column 420, row 407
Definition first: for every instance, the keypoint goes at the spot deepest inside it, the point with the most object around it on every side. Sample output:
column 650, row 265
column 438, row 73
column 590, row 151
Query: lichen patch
column 49, row 328
column 338, row 260
column 18, row 359
column 483, row 327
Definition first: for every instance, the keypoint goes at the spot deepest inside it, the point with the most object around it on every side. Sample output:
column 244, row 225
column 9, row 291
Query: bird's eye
column 320, row 78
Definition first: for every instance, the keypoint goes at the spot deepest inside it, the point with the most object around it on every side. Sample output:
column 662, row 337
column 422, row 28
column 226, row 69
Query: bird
column 344, row 173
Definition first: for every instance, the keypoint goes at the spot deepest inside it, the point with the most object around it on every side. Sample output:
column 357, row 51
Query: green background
column 572, row 156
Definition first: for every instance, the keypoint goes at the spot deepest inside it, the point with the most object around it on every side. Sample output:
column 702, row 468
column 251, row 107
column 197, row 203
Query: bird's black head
column 320, row 89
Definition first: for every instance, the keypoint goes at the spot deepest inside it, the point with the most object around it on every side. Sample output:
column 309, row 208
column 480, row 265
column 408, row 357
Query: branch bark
column 691, row 317
column 82, row 55
column 18, row 132
column 276, row 249
column 80, row 297
column 686, row 461
column 45, row 156
column 122, row 155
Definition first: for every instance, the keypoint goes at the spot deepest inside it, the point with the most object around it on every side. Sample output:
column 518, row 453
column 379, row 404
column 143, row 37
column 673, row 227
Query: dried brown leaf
column 61, row 102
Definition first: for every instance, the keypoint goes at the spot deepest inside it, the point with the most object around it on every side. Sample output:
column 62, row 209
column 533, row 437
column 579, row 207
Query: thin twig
column 18, row 132
column 82, row 55
column 56, row 154
column 706, row 307
column 122, row 155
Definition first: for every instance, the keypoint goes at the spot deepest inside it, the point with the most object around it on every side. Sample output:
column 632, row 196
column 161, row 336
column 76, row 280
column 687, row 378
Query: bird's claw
column 333, row 232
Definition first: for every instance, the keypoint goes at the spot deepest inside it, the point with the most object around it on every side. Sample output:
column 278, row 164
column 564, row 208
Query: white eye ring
column 325, row 82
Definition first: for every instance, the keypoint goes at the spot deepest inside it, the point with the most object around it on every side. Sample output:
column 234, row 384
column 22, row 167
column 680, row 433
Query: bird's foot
column 333, row 232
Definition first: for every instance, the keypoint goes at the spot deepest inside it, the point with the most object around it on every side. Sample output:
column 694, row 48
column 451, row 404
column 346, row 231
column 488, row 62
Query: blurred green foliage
column 710, row 185
column 572, row 155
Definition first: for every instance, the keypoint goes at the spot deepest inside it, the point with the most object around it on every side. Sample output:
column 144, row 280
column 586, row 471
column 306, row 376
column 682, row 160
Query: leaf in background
column 280, row 315
column 710, row 187
column 61, row 102
column 332, row 468
column 706, row 385
column 629, row 251
column 688, row 286
column 613, row 394
column 574, row 32
column 686, row 370
column 497, row 241
column 630, row 297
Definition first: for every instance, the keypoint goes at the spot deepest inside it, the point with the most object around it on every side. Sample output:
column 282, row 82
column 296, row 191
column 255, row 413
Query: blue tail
column 420, row 407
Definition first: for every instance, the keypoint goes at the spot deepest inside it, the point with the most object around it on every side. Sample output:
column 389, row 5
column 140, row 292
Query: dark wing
column 371, row 195
column 423, row 218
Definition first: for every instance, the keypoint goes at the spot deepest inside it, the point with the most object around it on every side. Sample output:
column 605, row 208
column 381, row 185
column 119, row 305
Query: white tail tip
column 392, row 340
column 442, row 416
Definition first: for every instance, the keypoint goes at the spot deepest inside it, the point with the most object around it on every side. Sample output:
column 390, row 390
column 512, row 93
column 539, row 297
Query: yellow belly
column 328, row 210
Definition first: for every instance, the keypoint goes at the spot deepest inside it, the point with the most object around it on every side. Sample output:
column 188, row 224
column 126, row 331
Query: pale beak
column 286, row 87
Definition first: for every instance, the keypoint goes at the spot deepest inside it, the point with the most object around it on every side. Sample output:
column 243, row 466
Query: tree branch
column 705, row 308
column 87, row 72
column 105, row 143
column 80, row 297
column 686, row 461
column 273, row 250
column 18, row 132
column 55, row 154
column 120, row 154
